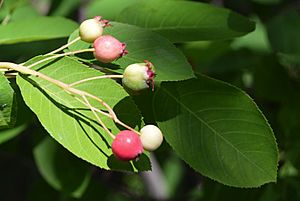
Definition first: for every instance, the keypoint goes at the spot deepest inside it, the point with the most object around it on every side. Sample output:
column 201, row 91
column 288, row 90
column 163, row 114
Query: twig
column 64, row 46
column 60, row 55
column 97, row 110
column 95, row 78
column 98, row 118
column 69, row 89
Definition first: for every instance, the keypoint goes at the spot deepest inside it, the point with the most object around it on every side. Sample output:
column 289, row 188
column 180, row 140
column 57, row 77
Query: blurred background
column 264, row 63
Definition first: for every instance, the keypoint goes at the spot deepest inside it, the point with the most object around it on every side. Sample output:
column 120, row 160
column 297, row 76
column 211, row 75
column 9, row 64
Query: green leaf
column 183, row 20
column 108, row 9
column 218, row 130
column 66, row 7
column 289, row 60
column 142, row 44
column 40, row 28
column 10, row 6
column 79, row 45
column 62, row 170
column 10, row 133
column 170, row 64
column 17, row 11
column 70, row 122
column 7, row 118
column 284, row 31
column 256, row 41
column 267, row 87
column 24, row 12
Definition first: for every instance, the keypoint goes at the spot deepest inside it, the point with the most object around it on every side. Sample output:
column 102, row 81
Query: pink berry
column 108, row 49
column 127, row 145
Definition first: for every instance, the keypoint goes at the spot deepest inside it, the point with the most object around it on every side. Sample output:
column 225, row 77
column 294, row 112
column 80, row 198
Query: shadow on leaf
column 73, row 112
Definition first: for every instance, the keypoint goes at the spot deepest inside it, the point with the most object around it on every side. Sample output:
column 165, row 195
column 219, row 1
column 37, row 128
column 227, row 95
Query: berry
column 151, row 137
column 91, row 29
column 127, row 145
column 139, row 76
column 108, row 49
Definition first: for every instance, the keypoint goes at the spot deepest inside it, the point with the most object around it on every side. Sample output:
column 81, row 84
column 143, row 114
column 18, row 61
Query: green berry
column 139, row 76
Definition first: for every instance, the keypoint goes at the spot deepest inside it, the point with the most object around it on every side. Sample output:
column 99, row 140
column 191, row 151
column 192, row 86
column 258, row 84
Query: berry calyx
column 91, row 29
column 151, row 137
column 108, row 49
column 127, row 145
column 139, row 76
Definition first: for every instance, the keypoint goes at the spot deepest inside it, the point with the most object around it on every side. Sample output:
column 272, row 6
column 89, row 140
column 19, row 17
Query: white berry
column 151, row 137
column 90, row 30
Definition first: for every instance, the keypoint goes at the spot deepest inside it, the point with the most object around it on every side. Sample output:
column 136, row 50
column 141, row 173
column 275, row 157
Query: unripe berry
column 91, row 29
column 127, row 145
column 108, row 49
column 139, row 76
column 151, row 137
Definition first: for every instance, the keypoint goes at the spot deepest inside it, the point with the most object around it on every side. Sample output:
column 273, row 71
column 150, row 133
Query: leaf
column 289, row 60
column 108, row 9
column 66, row 7
column 142, row 44
column 170, row 64
column 60, row 169
column 256, row 41
column 267, row 87
column 174, row 174
column 8, row 7
column 17, row 11
column 21, row 13
column 218, row 130
column 7, row 109
column 203, row 54
column 79, row 45
column 40, row 28
column 10, row 133
column 70, row 122
column 181, row 21
column 283, row 32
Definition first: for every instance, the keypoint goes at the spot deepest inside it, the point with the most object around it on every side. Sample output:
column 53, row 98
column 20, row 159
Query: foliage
column 225, row 97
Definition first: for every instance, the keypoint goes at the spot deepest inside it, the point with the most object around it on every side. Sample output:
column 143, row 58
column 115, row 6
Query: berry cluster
column 107, row 48
column 127, row 144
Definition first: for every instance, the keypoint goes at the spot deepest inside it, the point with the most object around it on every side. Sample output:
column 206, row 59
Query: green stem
column 98, row 118
column 97, row 110
column 71, row 90
column 64, row 46
column 95, row 78
column 60, row 55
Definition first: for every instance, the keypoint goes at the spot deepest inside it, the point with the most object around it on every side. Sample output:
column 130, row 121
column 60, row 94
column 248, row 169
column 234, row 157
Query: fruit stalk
column 66, row 87
column 64, row 46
